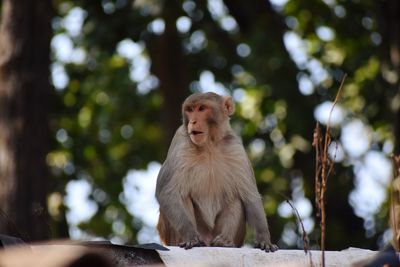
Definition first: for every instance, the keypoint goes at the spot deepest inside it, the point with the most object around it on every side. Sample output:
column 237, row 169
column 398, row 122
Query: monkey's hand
column 265, row 244
column 222, row 241
column 192, row 242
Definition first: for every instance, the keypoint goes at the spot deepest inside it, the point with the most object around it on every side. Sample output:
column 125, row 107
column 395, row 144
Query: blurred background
column 91, row 91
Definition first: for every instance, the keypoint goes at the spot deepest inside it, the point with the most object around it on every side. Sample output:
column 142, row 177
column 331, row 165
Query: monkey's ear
column 229, row 105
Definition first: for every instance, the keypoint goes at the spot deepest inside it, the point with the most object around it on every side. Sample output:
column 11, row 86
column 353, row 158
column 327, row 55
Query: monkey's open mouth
column 195, row 132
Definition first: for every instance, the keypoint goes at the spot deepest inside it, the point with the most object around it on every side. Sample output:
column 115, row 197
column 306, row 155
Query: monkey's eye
column 189, row 109
column 202, row 108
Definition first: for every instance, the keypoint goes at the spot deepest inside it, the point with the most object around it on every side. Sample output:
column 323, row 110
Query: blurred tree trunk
column 169, row 66
column 25, row 93
column 389, row 27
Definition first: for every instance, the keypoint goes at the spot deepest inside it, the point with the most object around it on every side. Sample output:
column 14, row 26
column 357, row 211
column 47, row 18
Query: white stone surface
column 250, row 257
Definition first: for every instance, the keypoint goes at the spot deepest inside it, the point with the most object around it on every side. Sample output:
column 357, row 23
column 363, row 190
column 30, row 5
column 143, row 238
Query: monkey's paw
column 265, row 245
column 193, row 242
column 222, row 241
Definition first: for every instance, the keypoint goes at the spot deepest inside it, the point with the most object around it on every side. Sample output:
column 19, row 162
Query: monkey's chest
column 212, row 189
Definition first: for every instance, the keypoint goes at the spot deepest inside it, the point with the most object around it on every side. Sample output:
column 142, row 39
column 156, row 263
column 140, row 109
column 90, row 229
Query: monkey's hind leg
column 230, row 227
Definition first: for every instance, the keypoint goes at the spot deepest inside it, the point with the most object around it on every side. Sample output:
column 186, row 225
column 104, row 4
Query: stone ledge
column 105, row 254
column 250, row 257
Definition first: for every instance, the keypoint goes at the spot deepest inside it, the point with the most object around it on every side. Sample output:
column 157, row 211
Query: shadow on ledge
column 15, row 253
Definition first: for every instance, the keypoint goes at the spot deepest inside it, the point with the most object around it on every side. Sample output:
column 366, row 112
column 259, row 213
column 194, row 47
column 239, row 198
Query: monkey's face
column 197, row 117
column 206, row 116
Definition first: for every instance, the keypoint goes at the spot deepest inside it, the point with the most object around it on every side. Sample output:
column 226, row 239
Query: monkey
column 206, row 186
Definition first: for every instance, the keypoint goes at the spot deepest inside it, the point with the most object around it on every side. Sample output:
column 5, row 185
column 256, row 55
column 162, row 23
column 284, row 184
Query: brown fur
column 206, row 186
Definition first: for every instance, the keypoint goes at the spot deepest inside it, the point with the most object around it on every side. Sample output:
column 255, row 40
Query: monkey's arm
column 255, row 216
column 177, row 210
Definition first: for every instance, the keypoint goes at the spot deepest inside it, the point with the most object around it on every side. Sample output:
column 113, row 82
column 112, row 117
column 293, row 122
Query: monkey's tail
column 168, row 234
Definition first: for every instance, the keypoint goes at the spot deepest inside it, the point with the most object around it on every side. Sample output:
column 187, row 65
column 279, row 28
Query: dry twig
column 305, row 238
column 323, row 169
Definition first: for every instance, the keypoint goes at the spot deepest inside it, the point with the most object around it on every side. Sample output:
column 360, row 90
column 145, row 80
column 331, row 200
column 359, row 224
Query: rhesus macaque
column 206, row 186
